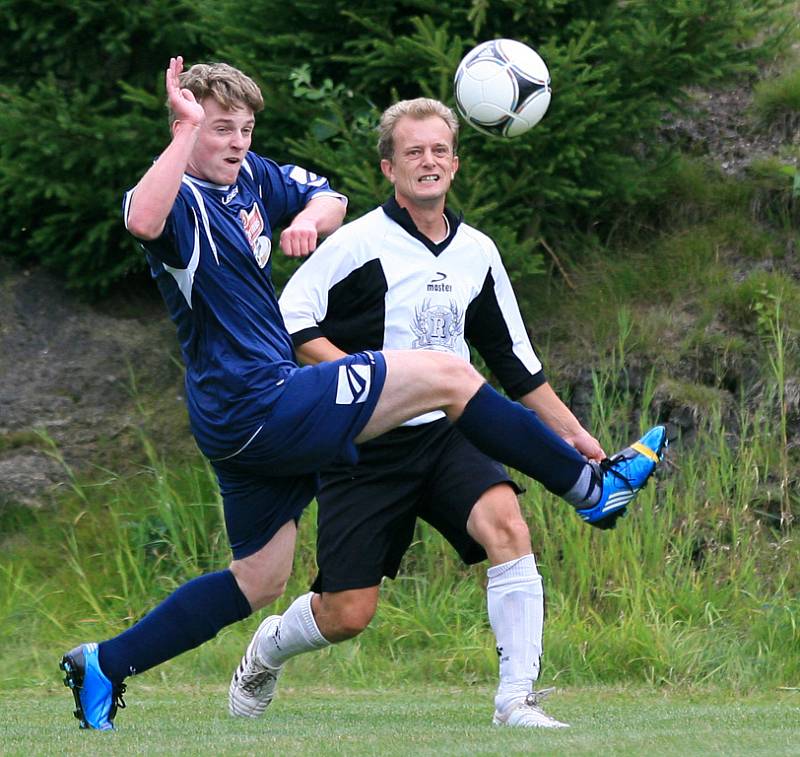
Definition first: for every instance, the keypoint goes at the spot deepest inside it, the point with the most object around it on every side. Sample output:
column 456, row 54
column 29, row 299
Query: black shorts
column 367, row 511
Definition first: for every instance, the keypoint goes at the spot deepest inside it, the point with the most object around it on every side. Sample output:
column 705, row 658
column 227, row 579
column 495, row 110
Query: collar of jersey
column 402, row 218
column 207, row 184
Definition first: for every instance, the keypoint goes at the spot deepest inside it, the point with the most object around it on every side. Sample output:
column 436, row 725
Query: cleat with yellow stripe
column 624, row 474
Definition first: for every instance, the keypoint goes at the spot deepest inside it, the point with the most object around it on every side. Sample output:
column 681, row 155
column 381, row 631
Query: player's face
column 222, row 143
column 423, row 165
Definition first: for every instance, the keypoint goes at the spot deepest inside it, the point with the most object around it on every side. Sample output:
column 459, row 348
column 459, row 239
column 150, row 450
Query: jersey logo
column 436, row 285
column 437, row 327
column 253, row 225
column 353, row 385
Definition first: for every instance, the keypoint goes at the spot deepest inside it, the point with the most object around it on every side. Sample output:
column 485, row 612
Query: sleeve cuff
column 306, row 335
column 527, row 385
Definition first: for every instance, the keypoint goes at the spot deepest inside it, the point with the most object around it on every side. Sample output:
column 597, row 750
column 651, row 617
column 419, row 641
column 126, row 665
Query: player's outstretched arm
column 321, row 216
column 549, row 407
column 155, row 193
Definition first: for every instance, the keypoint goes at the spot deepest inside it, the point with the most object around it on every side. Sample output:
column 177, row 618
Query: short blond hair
column 226, row 84
column 418, row 108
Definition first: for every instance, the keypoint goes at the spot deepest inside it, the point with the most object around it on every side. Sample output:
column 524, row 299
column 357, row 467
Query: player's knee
column 516, row 534
column 260, row 590
column 353, row 623
column 344, row 620
column 496, row 523
column 463, row 373
column 459, row 380
column 510, row 535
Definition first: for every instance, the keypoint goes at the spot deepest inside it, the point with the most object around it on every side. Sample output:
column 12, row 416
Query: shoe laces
column 117, row 702
column 534, row 698
column 608, row 465
column 252, row 683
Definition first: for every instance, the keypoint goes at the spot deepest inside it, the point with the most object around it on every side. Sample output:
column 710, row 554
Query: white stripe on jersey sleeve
column 329, row 193
column 301, row 176
column 127, row 206
column 521, row 343
column 203, row 215
column 184, row 277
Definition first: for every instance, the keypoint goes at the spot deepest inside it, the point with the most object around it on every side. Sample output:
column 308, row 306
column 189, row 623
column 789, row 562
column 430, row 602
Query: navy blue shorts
column 367, row 512
column 320, row 411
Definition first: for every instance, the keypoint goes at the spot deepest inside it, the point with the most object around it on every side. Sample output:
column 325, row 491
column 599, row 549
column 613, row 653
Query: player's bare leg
column 262, row 576
column 342, row 615
column 420, row 381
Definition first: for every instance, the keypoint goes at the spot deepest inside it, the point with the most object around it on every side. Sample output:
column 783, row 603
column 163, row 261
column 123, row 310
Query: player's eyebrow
column 421, row 145
column 226, row 121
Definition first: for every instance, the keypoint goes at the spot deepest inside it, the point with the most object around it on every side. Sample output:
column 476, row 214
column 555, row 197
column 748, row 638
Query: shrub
column 79, row 122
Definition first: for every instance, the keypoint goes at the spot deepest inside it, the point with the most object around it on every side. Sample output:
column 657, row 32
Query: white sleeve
column 304, row 301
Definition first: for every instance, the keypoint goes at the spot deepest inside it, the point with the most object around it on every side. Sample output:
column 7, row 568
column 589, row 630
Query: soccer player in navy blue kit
column 204, row 213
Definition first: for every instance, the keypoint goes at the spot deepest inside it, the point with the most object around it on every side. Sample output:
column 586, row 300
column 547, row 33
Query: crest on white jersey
column 353, row 385
column 437, row 327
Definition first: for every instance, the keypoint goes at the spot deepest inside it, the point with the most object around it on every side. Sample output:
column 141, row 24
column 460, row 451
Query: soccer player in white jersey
column 411, row 275
column 204, row 213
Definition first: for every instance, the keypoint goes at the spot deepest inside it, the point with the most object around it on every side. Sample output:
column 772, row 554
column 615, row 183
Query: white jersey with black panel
column 378, row 283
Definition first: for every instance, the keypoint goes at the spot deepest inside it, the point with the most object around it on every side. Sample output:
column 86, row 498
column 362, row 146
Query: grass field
column 408, row 721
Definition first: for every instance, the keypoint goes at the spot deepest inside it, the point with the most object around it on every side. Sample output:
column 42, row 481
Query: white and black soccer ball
column 502, row 87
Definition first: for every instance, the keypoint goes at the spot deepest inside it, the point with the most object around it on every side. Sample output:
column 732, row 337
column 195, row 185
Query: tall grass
column 698, row 584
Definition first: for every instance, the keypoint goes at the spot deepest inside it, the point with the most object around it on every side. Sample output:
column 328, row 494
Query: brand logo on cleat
column 618, row 500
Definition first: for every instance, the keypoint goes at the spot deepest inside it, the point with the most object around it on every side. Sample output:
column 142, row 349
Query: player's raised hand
column 182, row 101
column 300, row 239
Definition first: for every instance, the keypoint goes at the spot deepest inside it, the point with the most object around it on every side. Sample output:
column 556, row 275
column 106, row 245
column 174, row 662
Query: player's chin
column 228, row 173
column 431, row 195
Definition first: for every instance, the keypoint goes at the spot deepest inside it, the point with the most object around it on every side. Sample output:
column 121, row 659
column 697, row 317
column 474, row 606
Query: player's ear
column 455, row 167
column 387, row 169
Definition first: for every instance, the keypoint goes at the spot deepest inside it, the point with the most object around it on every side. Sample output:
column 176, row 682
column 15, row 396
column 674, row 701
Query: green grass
column 698, row 586
column 427, row 720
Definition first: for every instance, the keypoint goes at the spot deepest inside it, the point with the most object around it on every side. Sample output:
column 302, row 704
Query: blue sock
column 515, row 436
column 191, row 615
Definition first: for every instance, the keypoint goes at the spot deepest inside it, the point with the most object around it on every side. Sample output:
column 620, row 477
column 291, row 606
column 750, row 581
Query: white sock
column 297, row 633
column 515, row 601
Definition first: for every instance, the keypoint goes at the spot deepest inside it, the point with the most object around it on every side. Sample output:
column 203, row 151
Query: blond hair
column 418, row 108
column 226, row 84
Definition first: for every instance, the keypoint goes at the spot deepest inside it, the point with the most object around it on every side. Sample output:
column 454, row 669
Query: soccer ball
column 502, row 87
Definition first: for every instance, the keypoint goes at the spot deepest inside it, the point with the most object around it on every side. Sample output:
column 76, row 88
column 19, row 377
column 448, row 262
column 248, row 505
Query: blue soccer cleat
column 624, row 475
column 96, row 698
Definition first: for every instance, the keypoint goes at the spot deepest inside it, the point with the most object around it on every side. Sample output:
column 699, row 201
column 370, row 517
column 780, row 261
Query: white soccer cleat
column 253, row 683
column 527, row 713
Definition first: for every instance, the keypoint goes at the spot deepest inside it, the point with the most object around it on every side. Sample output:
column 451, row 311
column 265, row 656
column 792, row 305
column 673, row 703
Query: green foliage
column 776, row 190
column 777, row 100
column 81, row 114
column 616, row 68
column 74, row 131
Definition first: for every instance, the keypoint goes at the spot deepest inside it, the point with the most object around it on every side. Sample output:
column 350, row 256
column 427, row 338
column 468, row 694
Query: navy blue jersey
column 213, row 267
